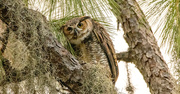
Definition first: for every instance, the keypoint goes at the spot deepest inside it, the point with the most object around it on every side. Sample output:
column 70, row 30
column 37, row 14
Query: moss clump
column 96, row 81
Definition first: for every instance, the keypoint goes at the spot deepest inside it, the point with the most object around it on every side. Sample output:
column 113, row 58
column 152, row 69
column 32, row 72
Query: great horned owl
column 91, row 43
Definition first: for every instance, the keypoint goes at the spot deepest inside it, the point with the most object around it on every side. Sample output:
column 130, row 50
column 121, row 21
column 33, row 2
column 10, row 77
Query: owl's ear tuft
column 84, row 18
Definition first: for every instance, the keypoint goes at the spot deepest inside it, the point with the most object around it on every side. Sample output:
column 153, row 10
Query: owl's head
column 77, row 29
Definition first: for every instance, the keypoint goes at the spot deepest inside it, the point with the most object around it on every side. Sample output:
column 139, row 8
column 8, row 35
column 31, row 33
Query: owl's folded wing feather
column 107, row 46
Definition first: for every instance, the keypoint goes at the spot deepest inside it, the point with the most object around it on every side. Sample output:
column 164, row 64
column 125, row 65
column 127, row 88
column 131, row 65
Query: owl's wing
column 107, row 45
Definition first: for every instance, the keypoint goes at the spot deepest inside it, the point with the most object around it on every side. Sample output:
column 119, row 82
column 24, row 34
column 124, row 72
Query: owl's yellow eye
column 80, row 25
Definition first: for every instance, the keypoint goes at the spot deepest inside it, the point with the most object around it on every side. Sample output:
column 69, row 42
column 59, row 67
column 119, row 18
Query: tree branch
column 125, row 56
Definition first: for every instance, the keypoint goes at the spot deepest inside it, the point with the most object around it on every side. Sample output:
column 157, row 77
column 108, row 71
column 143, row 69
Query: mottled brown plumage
column 92, row 43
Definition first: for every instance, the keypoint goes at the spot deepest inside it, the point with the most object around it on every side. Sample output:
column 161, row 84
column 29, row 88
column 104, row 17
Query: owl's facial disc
column 77, row 30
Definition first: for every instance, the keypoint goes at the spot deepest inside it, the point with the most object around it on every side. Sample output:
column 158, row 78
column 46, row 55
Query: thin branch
column 129, row 87
column 125, row 56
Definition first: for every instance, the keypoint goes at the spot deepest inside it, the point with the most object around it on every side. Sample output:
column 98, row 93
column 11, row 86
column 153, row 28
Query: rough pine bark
column 143, row 48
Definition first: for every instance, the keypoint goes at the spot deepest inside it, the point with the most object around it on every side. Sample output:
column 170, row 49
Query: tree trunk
column 143, row 49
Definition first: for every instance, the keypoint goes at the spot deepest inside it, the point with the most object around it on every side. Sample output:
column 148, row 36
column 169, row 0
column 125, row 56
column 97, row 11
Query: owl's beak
column 76, row 32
